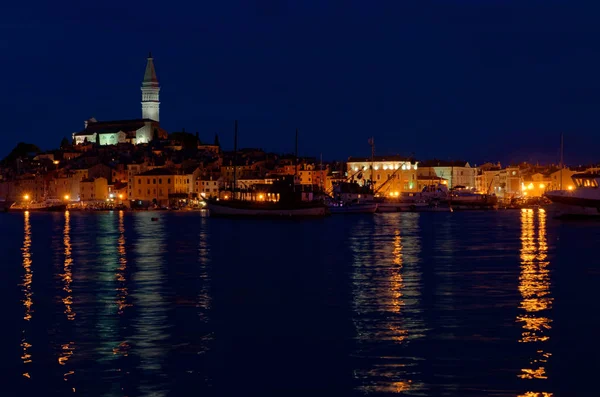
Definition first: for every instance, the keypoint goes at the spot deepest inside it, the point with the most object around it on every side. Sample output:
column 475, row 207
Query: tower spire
column 150, row 74
column 150, row 91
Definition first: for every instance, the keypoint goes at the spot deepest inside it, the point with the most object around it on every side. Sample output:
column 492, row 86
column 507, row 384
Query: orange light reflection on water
column 122, row 292
column 386, row 312
column 536, row 300
column 67, row 275
column 68, row 348
column 26, row 289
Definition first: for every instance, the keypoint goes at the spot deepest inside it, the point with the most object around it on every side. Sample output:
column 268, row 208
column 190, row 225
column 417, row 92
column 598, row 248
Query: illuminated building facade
column 135, row 131
column 390, row 174
column 457, row 173
column 158, row 184
column 95, row 190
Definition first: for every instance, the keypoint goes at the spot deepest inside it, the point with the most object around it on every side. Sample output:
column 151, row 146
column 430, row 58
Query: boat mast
column 235, row 158
column 561, row 159
column 372, row 142
column 321, row 173
column 296, row 161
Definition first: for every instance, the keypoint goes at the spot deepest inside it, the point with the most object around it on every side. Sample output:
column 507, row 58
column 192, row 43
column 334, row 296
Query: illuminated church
column 134, row 131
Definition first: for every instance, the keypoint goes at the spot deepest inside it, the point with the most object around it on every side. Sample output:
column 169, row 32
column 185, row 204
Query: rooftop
column 379, row 158
column 157, row 171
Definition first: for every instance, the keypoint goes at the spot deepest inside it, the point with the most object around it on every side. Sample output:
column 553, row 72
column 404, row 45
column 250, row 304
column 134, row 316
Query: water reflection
column 67, row 349
column 67, row 275
column 27, row 294
column 385, row 279
column 121, row 275
column 536, row 302
column 151, row 323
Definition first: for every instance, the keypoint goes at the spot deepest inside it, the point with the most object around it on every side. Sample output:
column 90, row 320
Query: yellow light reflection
column 26, row 288
column 386, row 305
column 536, row 394
column 67, row 275
column 122, row 291
column 534, row 286
column 68, row 348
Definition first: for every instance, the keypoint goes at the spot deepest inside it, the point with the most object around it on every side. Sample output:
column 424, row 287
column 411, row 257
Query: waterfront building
column 135, row 131
column 312, row 174
column 206, row 187
column 426, row 181
column 510, row 183
column 535, row 185
column 487, row 179
column 93, row 191
column 159, row 185
column 390, row 174
column 65, row 186
column 561, row 180
column 34, row 187
column 457, row 173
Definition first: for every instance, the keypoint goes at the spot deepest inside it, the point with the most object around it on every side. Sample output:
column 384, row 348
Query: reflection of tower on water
column 27, row 294
column 386, row 303
column 150, row 325
column 536, row 299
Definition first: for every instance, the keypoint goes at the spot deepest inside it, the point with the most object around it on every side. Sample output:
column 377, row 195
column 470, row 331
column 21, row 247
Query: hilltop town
column 137, row 163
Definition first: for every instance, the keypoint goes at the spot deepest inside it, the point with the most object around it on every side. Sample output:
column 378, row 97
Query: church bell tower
column 150, row 89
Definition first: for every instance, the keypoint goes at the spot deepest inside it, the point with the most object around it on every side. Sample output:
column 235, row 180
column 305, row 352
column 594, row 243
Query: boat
column 5, row 205
column 404, row 202
column 462, row 198
column 46, row 205
column 582, row 201
column 266, row 209
column 290, row 203
column 353, row 208
column 352, row 198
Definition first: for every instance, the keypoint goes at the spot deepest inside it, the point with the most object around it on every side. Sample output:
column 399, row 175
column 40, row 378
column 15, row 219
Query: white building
column 457, row 173
column 136, row 131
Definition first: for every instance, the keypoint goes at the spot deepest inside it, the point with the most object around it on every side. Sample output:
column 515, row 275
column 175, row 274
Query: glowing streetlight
column 26, row 197
column 542, row 186
column 67, row 197
column 120, row 197
column 570, row 187
column 56, row 162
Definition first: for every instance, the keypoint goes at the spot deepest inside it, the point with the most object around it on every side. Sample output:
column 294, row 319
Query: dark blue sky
column 455, row 79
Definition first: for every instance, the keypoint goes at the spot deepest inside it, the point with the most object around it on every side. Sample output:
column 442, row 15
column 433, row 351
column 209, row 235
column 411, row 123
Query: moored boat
column 583, row 201
column 256, row 209
column 461, row 198
column 46, row 205
column 5, row 205
column 353, row 208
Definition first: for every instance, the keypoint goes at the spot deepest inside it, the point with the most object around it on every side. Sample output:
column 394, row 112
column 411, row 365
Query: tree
column 21, row 150
column 64, row 143
column 155, row 135
column 97, row 139
column 217, row 140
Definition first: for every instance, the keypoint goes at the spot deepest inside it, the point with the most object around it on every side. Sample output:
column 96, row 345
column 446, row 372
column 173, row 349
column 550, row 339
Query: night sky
column 480, row 80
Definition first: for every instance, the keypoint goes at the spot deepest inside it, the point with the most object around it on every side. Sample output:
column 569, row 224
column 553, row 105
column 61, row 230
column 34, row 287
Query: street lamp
column 26, row 197
column 66, row 197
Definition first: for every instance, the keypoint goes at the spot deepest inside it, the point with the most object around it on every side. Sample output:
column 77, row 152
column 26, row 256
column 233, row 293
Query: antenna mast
column 235, row 158
column 561, row 159
column 372, row 142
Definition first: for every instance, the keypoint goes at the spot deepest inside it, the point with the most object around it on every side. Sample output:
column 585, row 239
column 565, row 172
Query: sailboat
column 289, row 205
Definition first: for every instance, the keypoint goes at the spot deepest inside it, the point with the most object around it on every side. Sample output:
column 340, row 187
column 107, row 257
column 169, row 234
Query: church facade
column 135, row 131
